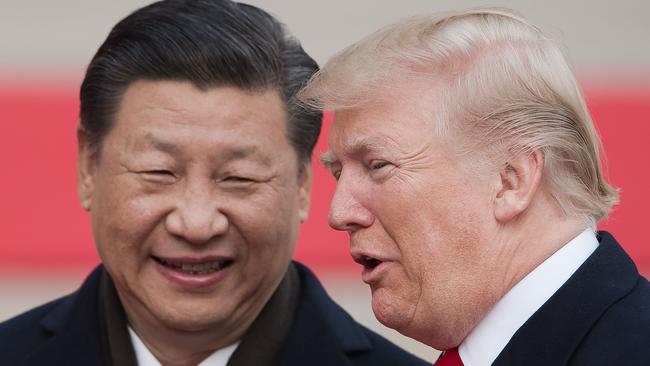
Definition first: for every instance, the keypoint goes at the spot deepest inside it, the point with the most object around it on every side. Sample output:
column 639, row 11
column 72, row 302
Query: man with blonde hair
column 470, row 185
column 194, row 162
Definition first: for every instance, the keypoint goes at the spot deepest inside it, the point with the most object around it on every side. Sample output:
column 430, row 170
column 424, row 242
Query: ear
column 520, row 179
column 304, row 186
column 86, row 166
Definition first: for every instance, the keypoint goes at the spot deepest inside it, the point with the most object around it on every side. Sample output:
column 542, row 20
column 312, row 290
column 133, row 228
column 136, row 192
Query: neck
column 532, row 238
column 177, row 347
column 520, row 246
column 180, row 348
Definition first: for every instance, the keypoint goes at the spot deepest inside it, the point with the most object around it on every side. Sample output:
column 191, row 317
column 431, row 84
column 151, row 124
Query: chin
column 194, row 324
column 188, row 319
column 401, row 315
column 392, row 312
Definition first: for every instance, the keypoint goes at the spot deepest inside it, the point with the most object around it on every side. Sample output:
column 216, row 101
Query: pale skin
column 451, row 242
column 199, row 176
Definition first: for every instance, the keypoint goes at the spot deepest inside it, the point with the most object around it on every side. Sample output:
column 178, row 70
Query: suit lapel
column 311, row 343
column 74, row 326
column 552, row 334
column 322, row 333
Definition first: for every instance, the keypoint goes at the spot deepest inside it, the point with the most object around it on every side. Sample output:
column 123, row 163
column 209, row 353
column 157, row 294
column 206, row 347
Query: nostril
column 350, row 217
column 347, row 221
column 196, row 225
column 336, row 221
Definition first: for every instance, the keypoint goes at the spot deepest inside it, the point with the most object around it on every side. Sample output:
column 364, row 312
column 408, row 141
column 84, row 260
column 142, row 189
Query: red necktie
column 450, row 358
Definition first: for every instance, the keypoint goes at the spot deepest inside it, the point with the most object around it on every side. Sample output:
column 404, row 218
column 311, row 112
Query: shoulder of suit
column 621, row 335
column 24, row 332
column 363, row 346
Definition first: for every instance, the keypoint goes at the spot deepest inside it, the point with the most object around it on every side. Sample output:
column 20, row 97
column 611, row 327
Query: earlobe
column 520, row 179
column 86, row 161
column 304, row 198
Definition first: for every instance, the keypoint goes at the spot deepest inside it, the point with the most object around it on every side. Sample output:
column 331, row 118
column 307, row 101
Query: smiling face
column 419, row 223
column 196, row 202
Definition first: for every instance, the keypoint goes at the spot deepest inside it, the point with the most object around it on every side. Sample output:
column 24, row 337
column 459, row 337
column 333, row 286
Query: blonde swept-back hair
column 505, row 88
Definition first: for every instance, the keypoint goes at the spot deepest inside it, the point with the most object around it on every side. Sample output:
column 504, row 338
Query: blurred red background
column 43, row 226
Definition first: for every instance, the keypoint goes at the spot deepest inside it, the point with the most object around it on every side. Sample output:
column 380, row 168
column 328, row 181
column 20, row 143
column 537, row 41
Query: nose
column 197, row 217
column 347, row 212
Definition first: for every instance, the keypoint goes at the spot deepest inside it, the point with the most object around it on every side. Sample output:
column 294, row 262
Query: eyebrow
column 227, row 154
column 364, row 145
column 161, row 145
column 358, row 146
column 236, row 153
column 327, row 158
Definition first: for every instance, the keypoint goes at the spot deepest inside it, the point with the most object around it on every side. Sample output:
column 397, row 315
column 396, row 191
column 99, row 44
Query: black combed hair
column 210, row 43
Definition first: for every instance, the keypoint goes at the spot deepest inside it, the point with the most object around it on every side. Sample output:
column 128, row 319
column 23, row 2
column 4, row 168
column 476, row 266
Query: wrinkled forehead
column 376, row 132
column 392, row 110
column 180, row 119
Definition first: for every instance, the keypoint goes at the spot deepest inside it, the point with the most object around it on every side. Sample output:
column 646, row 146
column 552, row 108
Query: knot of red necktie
column 450, row 358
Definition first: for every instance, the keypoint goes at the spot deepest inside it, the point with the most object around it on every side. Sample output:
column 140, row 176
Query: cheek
column 437, row 231
column 269, row 223
column 425, row 213
column 123, row 221
column 409, row 219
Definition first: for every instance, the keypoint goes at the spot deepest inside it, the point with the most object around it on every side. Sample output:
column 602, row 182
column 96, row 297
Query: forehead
column 184, row 102
column 152, row 113
column 401, row 117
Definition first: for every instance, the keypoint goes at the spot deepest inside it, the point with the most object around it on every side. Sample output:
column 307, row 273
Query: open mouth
column 201, row 268
column 367, row 262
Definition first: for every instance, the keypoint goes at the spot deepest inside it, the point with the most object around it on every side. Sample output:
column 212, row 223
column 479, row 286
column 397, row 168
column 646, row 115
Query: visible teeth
column 202, row 268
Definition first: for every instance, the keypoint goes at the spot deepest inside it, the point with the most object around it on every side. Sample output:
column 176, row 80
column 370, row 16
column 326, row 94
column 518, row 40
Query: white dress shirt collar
column 146, row 358
column 493, row 332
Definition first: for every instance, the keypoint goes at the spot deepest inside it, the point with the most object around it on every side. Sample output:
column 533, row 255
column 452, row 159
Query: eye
column 378, row 164
column 237, row 179
column 159, row 172
column 379, row 169
column 336, row 173
column 335, row 169
column 159, row 176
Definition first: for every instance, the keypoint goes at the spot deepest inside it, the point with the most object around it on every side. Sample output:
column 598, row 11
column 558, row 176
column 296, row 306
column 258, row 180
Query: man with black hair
column 194, row 163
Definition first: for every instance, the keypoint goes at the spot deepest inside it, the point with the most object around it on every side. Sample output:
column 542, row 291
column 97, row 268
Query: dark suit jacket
column 600, row 316
column 66, row 332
